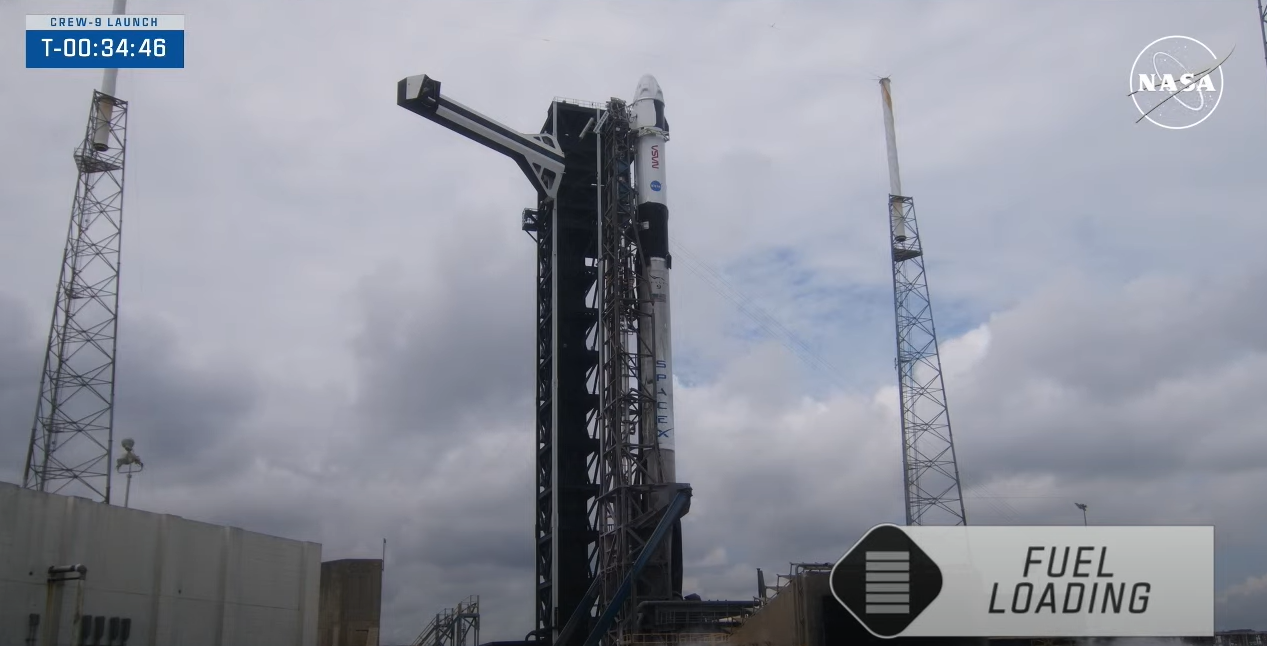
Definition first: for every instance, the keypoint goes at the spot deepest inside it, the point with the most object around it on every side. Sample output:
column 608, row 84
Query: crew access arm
column 538, row 155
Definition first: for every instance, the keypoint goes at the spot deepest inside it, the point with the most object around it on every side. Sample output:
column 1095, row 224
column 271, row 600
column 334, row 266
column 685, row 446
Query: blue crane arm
column 674, row 512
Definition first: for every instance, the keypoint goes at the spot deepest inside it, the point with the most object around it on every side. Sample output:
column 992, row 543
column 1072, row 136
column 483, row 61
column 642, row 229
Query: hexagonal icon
column 885, row 581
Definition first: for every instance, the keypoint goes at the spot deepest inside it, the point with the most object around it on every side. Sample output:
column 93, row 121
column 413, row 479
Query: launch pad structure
column 608, row 507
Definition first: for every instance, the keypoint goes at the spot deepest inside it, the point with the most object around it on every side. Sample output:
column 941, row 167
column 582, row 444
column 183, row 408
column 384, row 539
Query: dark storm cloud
column 353, row 269
column 1242, row 605
column 467, row 540
column 1174, row 449
column 20, row 350
column 1137, row 382
column 179, row 414
column 452, row 355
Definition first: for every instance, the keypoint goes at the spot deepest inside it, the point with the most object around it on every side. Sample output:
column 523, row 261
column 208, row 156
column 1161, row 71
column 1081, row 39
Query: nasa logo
column 655, row 157
column 1176, row 82
column 655, row 186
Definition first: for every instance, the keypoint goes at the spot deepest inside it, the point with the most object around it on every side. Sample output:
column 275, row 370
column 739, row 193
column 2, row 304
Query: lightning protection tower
column 72, row 437
column 931, row 474
column 1262, row 25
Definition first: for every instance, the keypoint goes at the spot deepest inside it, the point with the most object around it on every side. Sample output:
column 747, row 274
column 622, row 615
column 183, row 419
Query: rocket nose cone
column 648, row 89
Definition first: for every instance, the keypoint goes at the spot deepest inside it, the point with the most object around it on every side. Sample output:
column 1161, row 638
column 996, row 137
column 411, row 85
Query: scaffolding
column 625, row 516
column 457, row 626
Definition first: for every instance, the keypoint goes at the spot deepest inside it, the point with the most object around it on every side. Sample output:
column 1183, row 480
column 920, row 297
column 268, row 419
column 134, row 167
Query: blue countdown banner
column 105, row 42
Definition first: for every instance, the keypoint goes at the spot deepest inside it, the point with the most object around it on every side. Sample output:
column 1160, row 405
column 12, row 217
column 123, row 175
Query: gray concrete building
column 351, row 602
column 75, row 571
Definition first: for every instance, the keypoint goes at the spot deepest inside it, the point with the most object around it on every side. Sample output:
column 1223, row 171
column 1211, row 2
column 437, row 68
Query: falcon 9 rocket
column 652, row 131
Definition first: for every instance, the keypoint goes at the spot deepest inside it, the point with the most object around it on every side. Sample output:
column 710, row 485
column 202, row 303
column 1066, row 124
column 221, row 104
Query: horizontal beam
column 539, row 155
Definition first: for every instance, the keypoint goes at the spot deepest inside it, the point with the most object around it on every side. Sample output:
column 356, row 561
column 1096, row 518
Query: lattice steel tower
column 458, row 626
column 73, row 434
column 626, row 506
column 932, row 489
column 1262, row 26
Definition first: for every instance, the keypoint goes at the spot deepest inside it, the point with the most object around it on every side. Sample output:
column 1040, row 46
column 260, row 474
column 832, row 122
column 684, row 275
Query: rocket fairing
column 652, row 131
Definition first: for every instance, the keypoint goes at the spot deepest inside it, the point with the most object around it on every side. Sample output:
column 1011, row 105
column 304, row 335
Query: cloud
column 451, row 349
column 1242, row 604
column 328, row 302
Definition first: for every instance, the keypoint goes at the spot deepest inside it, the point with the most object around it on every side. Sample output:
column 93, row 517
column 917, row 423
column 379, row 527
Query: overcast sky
column 327, row 310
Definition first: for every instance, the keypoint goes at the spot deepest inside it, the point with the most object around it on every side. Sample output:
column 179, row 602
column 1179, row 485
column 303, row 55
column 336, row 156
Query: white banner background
column 46, row 22
column 1177, row 562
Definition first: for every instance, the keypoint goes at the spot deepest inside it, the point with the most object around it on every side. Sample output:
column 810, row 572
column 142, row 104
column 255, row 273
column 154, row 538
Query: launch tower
column 608, row 532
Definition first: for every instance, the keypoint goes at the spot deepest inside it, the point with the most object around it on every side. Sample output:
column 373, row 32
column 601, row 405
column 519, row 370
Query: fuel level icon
column 886, row 581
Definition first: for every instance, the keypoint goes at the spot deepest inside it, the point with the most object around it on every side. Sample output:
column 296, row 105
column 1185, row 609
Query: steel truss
column 1262, row 25
column 72, row 436
column 458, row 626
column 565, row 231
column 623, row 498
column 932, row 489
column 627, row 512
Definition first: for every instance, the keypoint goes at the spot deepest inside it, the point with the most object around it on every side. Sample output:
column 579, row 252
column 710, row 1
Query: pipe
column 67, row 569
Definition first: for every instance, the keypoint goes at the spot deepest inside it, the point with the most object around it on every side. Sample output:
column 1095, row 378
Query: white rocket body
column 652, row 131
column 664, row 579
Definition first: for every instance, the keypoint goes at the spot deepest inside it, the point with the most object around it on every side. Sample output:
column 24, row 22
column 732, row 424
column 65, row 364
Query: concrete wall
column 181, row 582
column 351, row 602
column 804, row 613
column 792, row 618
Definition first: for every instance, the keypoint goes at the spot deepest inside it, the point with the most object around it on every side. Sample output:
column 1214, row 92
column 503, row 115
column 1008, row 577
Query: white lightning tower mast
column 73, row 435
column 931, row 474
